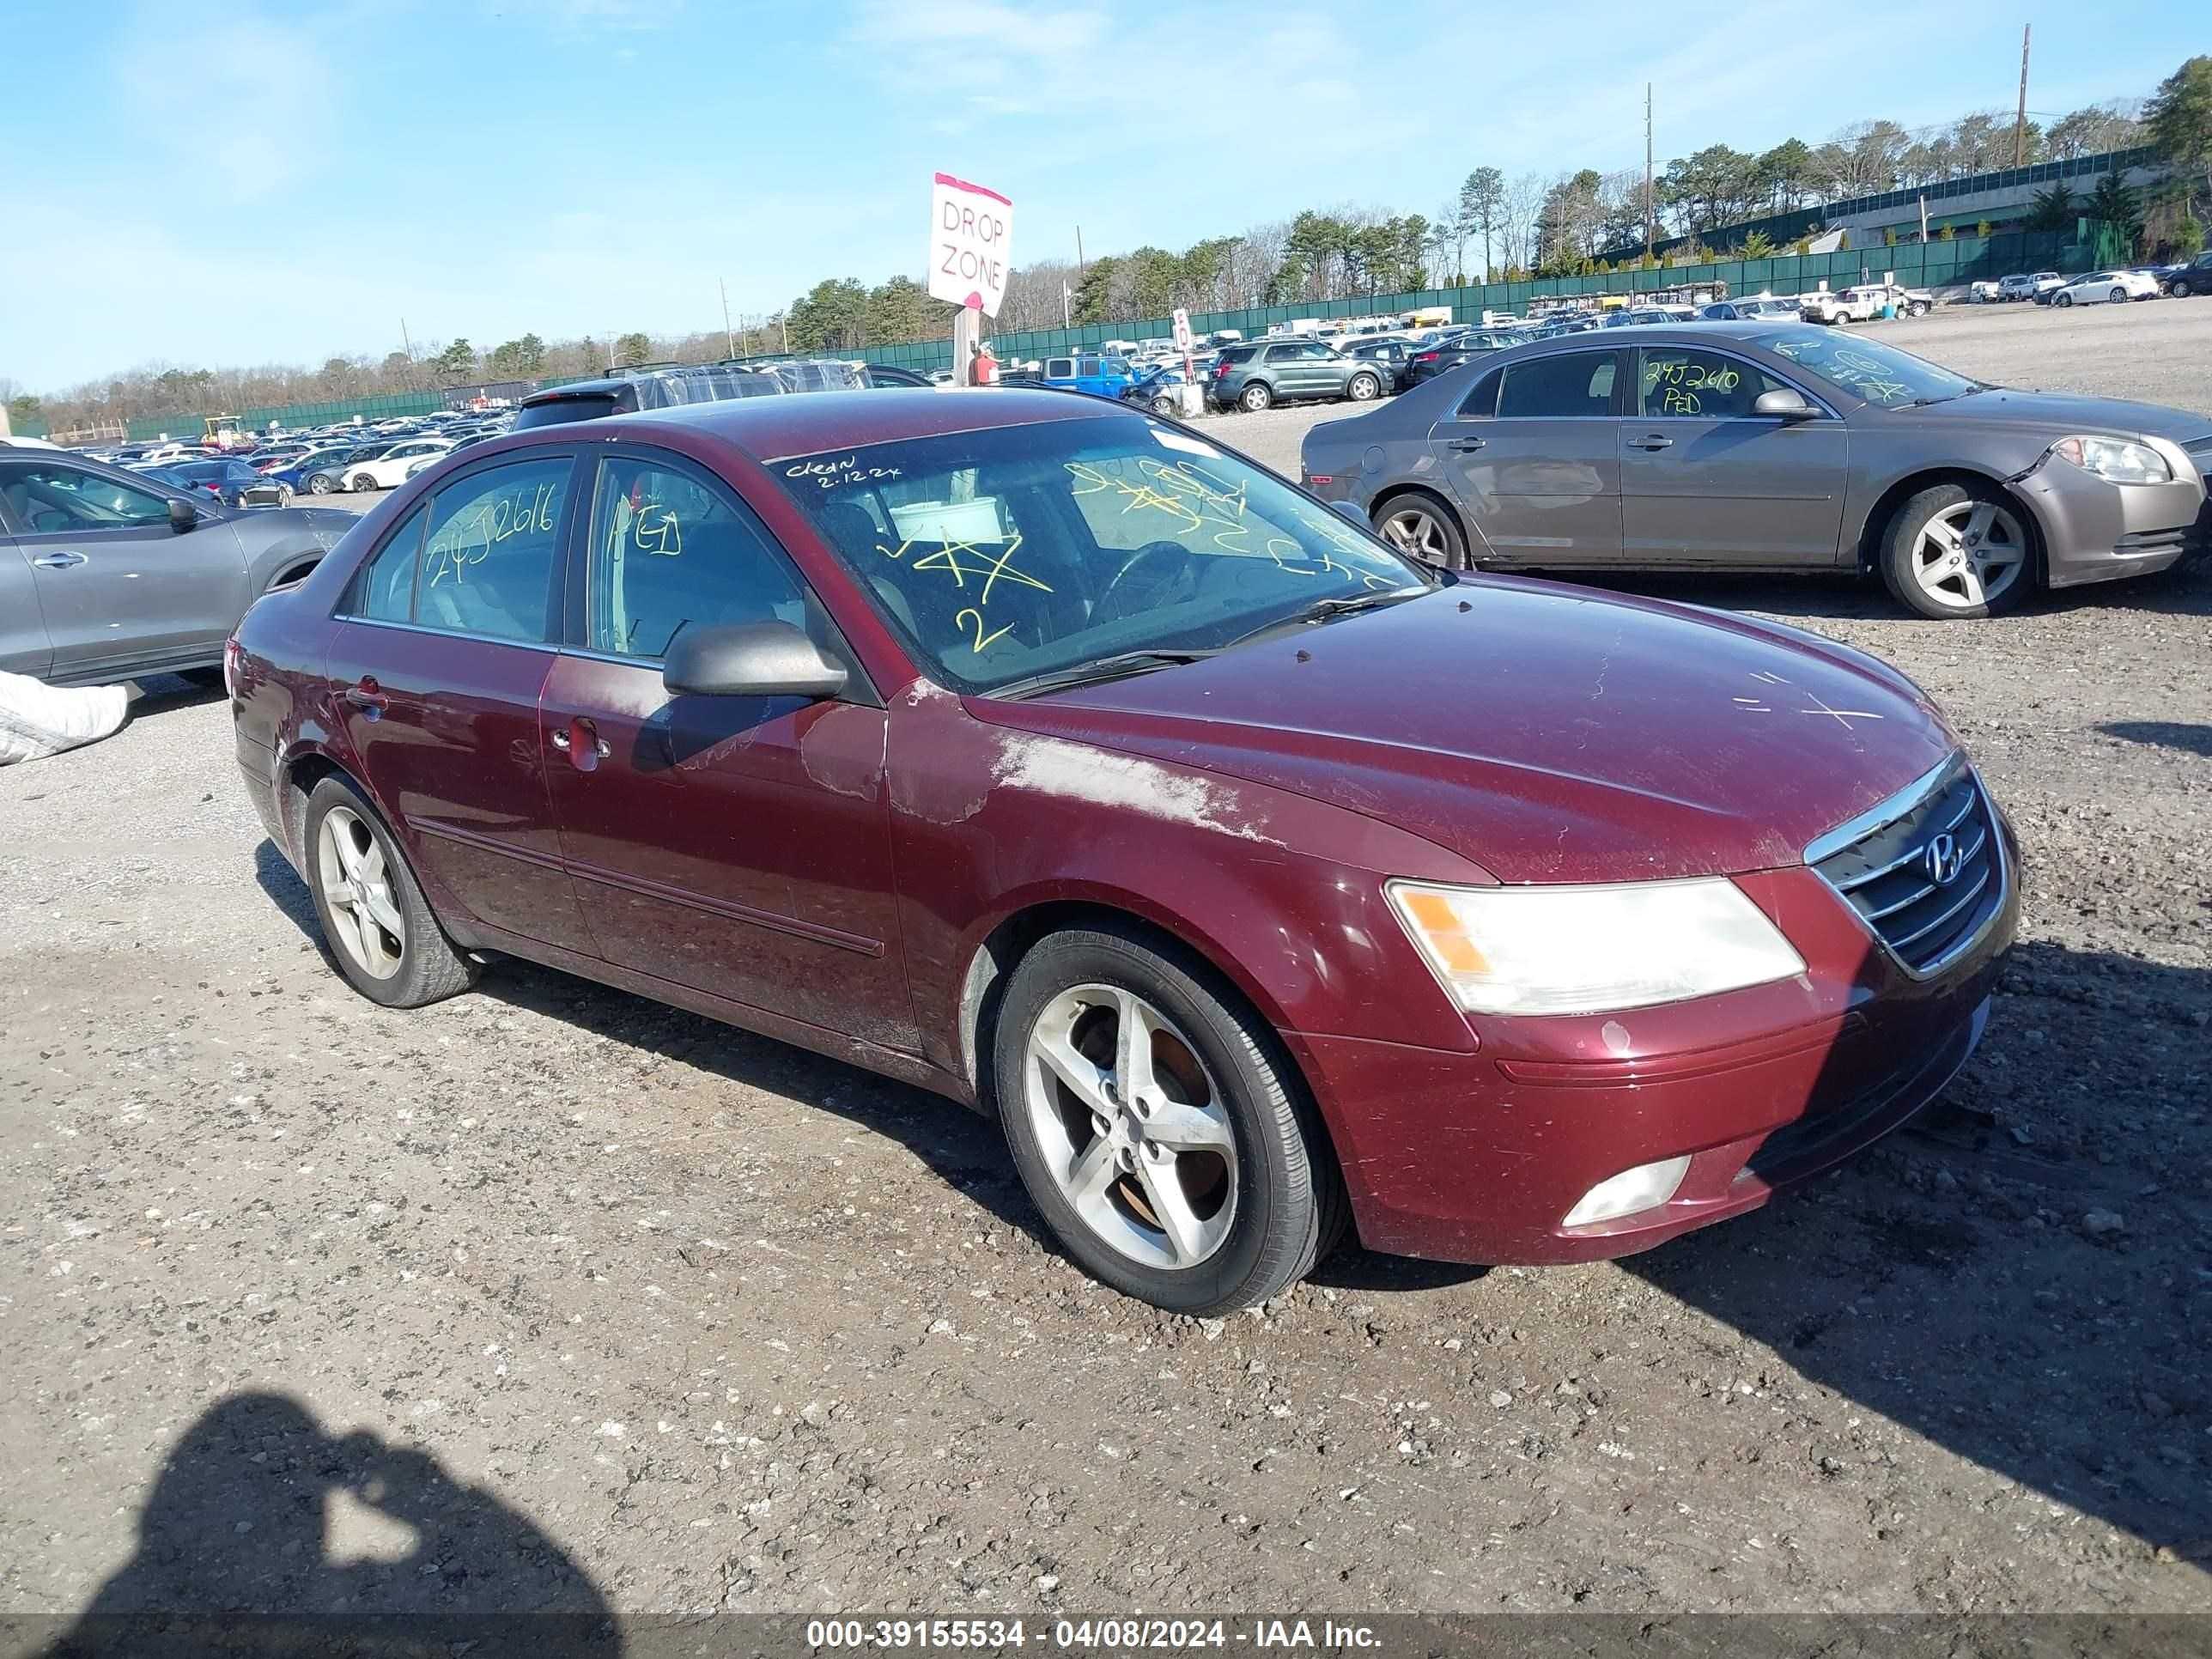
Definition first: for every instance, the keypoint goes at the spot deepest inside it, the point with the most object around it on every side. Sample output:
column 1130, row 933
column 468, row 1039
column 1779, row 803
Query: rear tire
column 1256, row 399
column 362, row 481
column 381, row 929
column 320, row 485
column 1421, row 529
column 1254, row 1209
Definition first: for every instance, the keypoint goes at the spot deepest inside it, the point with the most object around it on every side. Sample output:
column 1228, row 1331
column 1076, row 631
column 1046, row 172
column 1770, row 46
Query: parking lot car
column 1455, row 350
column 2194, row 278
column 2048, row 283
column 1042, row 754
column 232, row 483
column 2099, row 288
column 1101, row 376
column 383, row 471
column 1776, row 447
column 1255, row 376
column 1159, row 389
column 106, row 574
column 1393, row 357
column 1752, row 307
column 1851, row 305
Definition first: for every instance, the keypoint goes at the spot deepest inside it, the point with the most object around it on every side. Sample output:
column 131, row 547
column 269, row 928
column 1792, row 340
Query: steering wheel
column 1144, row 580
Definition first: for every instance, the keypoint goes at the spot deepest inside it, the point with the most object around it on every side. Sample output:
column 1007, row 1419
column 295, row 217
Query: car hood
column 1545, row 733
column 2002, row 405
column 325, row 524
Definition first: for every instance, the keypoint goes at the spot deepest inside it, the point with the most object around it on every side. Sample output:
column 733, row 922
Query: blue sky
column 242, row 183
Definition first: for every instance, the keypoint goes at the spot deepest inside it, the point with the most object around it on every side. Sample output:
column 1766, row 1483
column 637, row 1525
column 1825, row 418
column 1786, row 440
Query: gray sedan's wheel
column 320, row 483
column 1953, row 553
column 1421, row 529
column 1255, row 397
column 388, row 942
column 1363, row 388
column 1158, row 1127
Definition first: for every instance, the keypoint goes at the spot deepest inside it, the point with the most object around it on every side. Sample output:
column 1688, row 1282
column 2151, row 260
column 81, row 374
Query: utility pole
column 729, row 340
column 1647, row 226
column 405, row 340
column 2020, row 122
column 1078, row 247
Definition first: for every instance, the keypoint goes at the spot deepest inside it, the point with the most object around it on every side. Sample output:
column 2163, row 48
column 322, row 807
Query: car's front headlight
column 2115, row 459
column 1568, row 950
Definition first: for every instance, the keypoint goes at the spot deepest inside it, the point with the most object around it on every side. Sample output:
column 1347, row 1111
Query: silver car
column 108, row 575
column 1772, row 446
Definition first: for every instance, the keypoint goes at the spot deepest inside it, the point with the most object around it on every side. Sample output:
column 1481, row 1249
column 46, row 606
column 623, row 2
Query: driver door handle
column 62, row 561
column 1651, row 440
column 1467, row 446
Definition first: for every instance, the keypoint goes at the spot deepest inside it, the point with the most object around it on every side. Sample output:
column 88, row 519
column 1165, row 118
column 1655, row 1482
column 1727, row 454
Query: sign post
column 1191, row 404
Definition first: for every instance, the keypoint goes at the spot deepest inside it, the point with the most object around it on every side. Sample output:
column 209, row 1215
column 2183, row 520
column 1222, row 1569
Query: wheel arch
column 1379, row 509
column 1884, row 511
column 995, row 956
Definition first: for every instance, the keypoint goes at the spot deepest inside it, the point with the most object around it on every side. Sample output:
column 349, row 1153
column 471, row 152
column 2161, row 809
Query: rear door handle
column 62, row 561
column 1651, row 440
column 1467, row 446
column 367, row 695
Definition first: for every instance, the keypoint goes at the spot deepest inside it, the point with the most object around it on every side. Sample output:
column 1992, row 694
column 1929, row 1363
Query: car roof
column 774, row 428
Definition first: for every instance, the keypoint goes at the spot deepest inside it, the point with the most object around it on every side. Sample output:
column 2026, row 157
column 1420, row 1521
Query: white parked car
column 1984, row 292
column 392, row 466
column 2107, row 287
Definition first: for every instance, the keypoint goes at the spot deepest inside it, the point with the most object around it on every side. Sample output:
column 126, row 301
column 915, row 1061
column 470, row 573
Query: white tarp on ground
column 38, row 720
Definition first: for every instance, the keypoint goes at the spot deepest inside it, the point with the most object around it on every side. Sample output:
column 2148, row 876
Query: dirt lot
column 547, row 1296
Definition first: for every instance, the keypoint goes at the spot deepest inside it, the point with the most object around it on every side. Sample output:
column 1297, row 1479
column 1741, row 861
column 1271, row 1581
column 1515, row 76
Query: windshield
column 1881, row 374
column 1004, row 554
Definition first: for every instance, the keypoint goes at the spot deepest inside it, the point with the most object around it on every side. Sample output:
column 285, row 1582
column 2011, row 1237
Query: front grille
column 1889, row 873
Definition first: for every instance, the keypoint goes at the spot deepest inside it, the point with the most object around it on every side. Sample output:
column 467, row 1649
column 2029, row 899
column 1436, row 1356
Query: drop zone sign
column 971, row 230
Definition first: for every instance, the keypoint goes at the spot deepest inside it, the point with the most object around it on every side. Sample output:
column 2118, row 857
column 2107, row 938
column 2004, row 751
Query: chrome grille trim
column 1888, row 917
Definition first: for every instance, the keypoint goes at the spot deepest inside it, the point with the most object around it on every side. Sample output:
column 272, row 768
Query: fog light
column 1642, row 1187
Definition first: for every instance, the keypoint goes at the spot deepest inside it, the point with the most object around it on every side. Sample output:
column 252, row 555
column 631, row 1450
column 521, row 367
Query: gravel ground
column 550, row 1297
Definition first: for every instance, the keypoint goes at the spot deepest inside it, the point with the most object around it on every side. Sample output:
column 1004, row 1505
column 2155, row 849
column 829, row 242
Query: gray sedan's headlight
column 1575, row 950
column 2115, row 461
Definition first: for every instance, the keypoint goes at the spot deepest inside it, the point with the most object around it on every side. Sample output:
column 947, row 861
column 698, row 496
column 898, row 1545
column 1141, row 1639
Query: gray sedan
column 1767, row 447
column 110, row 575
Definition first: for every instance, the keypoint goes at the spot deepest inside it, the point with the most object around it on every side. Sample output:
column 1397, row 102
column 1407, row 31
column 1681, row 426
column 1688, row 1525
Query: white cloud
column 250, row 104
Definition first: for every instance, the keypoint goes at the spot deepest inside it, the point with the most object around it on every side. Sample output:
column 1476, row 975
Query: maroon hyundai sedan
column 1055, row 758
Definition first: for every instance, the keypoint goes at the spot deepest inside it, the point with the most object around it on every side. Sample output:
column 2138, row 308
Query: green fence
column 1935, row 264
column 383, row 406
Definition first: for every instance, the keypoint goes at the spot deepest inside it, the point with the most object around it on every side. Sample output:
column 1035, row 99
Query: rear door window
column 1575, row 385
column 488, row 563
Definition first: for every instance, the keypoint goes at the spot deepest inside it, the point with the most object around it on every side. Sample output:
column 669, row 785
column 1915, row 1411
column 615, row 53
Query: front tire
column 1954, row 554
column 2064, row 302
column 1159, row 1128
column 379, row 926
column 1256, row 399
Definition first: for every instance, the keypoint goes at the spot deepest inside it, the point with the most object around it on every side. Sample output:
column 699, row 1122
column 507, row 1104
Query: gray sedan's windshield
column 1880, row 373
column 1015, row 552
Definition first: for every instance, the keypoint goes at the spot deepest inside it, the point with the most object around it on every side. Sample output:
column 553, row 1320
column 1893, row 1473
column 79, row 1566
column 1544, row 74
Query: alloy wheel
column 1414, row 530
column 357, row 884
column 1969, row 555
column 320, row 483
column 1132, row 1125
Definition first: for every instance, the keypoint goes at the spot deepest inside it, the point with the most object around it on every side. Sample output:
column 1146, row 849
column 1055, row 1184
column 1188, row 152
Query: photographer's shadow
column 237, row 1551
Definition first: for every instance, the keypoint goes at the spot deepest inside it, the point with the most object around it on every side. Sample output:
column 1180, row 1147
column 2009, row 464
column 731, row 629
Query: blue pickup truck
column 1104, row 377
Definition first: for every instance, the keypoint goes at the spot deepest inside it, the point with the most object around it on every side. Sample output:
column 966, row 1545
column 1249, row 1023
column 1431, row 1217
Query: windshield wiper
column 1321, row 610
column 1120, row 665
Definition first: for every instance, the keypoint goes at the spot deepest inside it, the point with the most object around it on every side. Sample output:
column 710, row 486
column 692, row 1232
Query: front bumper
column 2095, row 532
column 1479, row 1157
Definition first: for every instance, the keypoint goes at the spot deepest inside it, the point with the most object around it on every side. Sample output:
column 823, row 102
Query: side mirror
column 1783, row 404
column 751, row 659
column 183, row 515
